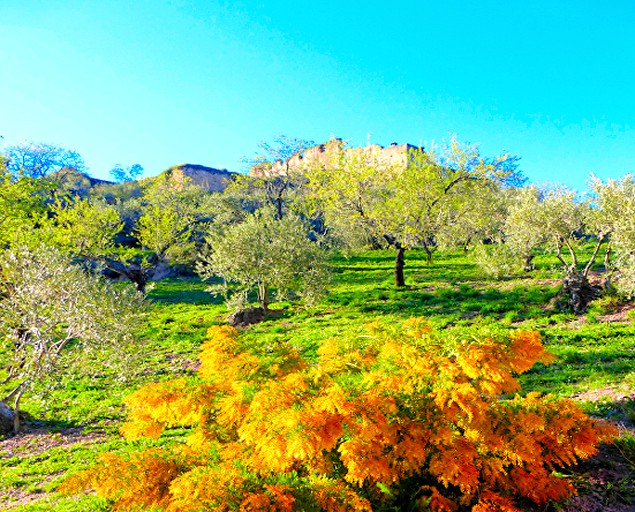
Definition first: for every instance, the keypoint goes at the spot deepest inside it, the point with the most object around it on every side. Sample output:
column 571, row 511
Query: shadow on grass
column 465, row 300
column 52, row 426
column 183, row 291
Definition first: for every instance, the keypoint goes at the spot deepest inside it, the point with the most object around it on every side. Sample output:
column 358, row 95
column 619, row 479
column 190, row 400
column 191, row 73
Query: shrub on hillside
column 401, row 418
column 498, row 261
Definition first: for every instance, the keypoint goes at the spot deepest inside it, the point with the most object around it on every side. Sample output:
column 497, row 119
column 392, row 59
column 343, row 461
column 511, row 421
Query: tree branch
column 587, row 268
column 559, row 255
column 574, row 257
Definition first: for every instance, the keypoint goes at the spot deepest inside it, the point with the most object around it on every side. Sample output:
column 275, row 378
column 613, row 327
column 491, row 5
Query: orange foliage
column 121, row 479
column 398, row 411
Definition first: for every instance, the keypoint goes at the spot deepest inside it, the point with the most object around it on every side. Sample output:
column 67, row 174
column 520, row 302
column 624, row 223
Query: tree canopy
column 264, row 254
column 36, row 160
column 162, row 228
column 408, row 202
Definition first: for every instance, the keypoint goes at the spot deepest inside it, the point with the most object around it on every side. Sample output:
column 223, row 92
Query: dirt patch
column 621, row 314
column 19, row 497
column 617, row 394
column 34, row 441
column 605, row 483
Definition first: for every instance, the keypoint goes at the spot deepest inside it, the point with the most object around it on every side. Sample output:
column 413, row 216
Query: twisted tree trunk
column 263, row 296
column 7, row 419
column 575, row 284
column 579, row 292
column 137, row 273
column 400, row 280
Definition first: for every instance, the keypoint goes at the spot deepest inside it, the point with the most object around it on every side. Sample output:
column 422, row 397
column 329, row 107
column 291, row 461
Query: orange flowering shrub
column 398, row 419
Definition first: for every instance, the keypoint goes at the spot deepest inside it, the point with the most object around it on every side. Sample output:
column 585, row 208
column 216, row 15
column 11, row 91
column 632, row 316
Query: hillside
column 208, row 178
column 76, row 182
column 80, row 183
column 77, row 418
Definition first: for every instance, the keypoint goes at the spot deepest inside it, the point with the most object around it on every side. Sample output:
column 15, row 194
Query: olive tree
column 22, row 206
column 513, row 245
column 445, row 196
column 264, row 254
column 405, row 204
column 50, row 306
column 556, row 220
column 615, row 206
column 161, row 229
column 478, row 220
column 274, row 179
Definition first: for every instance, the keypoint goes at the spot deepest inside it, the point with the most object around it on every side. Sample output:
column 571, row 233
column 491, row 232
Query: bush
column 498, row 260
column 401, row 418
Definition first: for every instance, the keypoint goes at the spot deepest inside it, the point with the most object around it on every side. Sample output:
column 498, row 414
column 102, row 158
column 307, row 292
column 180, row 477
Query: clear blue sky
column 163, row 82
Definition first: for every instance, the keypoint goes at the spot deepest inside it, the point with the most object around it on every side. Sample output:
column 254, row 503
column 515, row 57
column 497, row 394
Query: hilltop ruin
column 324, row 155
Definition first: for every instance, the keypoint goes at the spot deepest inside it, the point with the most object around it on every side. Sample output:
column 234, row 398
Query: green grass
column 449, row 292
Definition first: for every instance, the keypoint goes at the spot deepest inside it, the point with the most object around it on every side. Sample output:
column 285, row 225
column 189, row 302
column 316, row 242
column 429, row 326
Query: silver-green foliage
column 264, row 254
column 161, row 224
column 497, row 261
column 615, row 202
column 50, row 308
column 423, row 199
column 553, row 219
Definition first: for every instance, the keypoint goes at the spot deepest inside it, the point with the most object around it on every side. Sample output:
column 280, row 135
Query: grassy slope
column 449, row 292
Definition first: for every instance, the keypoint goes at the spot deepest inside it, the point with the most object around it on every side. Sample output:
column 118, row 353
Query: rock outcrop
column 245, row 317
column 208, row 178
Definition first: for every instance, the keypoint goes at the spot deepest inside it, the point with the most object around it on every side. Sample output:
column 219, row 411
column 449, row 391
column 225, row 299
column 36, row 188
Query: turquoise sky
column 164, row 82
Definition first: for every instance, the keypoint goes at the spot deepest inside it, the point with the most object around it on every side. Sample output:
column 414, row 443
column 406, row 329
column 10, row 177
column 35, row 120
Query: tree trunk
column 263, row 296
column 16, row 411
column 375, row 244
column 138, row 273
column 426, row 247
column 528, row 266
column 608, row 271
column 400, row 280
column 279, row 209
column 579, row 292
column 7, row 419
column 139, row 277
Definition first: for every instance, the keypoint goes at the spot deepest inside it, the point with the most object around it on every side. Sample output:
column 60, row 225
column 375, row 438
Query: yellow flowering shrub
column 397, row 420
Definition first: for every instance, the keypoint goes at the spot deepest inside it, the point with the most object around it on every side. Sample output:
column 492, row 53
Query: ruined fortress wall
column 327, row 154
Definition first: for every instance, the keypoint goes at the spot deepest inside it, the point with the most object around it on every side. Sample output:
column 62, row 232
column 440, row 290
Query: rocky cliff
column 208, row 178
